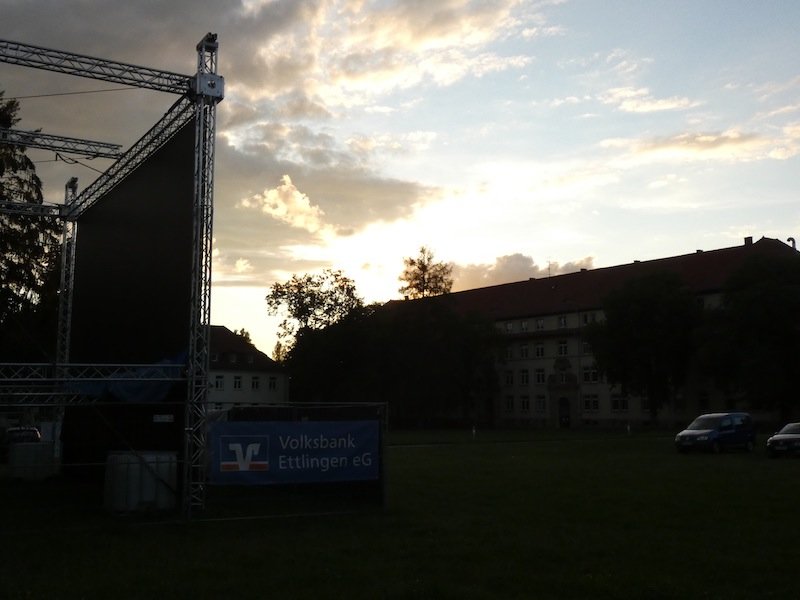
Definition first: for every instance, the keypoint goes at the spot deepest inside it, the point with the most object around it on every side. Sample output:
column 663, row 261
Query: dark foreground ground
column 507, row 515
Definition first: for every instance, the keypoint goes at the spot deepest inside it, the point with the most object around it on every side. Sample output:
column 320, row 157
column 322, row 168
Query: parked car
column 715, row 432
column 786, row 441
column 16, row 435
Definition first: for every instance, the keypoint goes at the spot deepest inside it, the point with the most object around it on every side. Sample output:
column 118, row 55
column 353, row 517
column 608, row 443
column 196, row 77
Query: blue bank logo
column 243, row 453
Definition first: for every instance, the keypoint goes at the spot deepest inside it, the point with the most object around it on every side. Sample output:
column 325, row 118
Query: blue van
column 715, row 432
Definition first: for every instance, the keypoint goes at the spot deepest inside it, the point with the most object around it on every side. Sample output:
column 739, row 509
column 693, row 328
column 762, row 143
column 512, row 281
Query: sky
column 513, row 138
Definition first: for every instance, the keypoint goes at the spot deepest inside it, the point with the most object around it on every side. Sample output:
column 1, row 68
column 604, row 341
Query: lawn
column 506, row 515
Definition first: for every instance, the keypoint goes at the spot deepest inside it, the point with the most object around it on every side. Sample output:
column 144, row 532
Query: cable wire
column 122, row 89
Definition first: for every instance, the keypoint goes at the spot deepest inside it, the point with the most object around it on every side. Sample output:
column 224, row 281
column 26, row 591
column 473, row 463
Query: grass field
column 509, row 515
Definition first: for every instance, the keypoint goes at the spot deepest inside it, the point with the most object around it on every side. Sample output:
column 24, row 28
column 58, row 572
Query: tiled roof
column 704, row 272
column 233, row 352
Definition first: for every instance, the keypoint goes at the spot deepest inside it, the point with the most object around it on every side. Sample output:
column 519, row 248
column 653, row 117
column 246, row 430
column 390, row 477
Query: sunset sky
column 513, row 138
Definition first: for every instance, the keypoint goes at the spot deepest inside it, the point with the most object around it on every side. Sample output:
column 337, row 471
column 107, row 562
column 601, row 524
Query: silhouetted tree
column 29, row 256
column 646, row 342
column 311, row 301
column 752, row 344
column 429, row 363
column 424, row 277
column 243, row 333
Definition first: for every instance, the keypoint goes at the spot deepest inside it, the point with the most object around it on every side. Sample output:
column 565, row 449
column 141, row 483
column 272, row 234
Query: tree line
column 430, row 362
column 657, row 337
column 30, row 258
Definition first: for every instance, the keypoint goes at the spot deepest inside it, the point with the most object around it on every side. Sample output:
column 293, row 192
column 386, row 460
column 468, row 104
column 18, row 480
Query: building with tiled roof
column 548, row 376
column 240, row 375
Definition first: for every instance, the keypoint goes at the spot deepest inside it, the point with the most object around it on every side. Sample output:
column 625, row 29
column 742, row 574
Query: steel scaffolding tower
column 199, row 95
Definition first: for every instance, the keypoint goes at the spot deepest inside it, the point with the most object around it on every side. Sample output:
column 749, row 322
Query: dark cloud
column 275, row 59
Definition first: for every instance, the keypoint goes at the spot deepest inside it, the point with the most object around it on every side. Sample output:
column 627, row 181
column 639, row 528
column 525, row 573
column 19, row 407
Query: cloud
column 774, row 88
column 669, row 180
column 242, row 265
column 783, row 110
column 731, row 145
column 349, row 53
column 536, row 32
column 511, row 268
column 639, row 100
column 289, row 205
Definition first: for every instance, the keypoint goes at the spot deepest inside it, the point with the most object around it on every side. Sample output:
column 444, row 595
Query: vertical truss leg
column 68, row 237
column 199, row 330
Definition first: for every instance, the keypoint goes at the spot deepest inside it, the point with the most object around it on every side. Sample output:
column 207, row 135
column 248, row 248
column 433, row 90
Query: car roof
column 726, row 414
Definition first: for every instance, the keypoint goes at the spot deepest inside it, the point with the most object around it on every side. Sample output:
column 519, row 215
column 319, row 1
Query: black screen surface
column 131, row 291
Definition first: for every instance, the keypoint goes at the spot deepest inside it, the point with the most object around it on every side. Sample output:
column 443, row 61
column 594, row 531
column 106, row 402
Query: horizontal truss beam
column 29, row 208
column 94, row 68
column 58, row 143
column 49, row 373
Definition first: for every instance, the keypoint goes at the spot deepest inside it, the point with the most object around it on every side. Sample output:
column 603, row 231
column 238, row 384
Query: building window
column 590, row 375
column 217, row 405
column 232, row 358
column 509, row 353
column 619, row 403
column 541, row 403
column 539, row 350
column 562, row 377
column 539, row 324
column 562, row 321
column 509, row 404
column 250, row 359
column 509, row 327
column 523, row 325
column 523, row 351
column 562, row 347
column 591, row 402
column 523, row 377
column 237, row 382
column 586, row 347
column 539, row 377
column 255, row 383
column 509, row 378
column 589, row 318
column 525, row 403
column 214, row 357
column 219, row 382
column 273, row 383
column 645, row 403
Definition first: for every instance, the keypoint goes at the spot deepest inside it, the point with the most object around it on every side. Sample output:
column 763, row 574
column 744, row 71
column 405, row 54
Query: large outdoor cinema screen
column 131, row 297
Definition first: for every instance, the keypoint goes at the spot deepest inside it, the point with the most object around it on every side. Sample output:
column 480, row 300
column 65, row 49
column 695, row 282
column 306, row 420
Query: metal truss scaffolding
column 199, row 95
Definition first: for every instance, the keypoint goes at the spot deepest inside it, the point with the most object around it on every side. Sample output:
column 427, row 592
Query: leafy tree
column 312, row 301
column 244, row 334
column 279, row 352
column 29, row 254
column 646, row 342
column 428, row 362
column 752, row 345
column 424, row 277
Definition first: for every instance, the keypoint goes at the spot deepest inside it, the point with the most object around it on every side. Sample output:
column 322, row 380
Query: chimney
column 748, row 241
